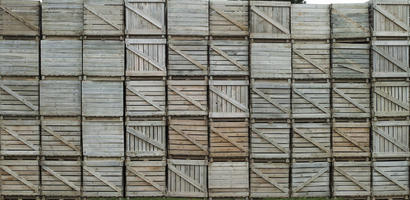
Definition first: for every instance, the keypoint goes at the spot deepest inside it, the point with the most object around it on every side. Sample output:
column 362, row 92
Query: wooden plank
column 145, row 178
column 61, row 138
column 21, row 179
column 20, row 19
column 145, row 17
column 61, row 178
column 145, row 138
column 186, row 178
column 95, row 12
column 142, row 14
column 189, row 58
column 18, row 97
column 270, row 20
column 102, row 179
column 271, row 181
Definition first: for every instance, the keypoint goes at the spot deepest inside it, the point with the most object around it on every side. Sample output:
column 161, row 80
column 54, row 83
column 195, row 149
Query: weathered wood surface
column 188, row 17
column 269, row 180
column 351, row 179
column 103, row 17
column 390, row 58
column 228, row 179
column 310, row 179
column 19, row 58
column 62, row 17
column 351, row 138
column 310, row 21
column 229, row 139
column 145, row 98
column 311, row 140
column 391, row 138
column 145, row 17
column 390, row 178
column 61, row 57
column 187, row 57
column 351, row 99
column 20, row 177
column 271, row 60
column 228, row 57
column 102, row 98
column 145, row 178
column 20, row 136
column 60, row 97
column 145, row 57
column 228, row 18
column 350, row 60
column 19, row 96
column 187, row 97
column 311, row 100
column 270, row 20
column 20, row 18
column 350, row 20
column 60, row 178
column 390, row 18
column 391, row 99
column 270, row 139
column 311, row 60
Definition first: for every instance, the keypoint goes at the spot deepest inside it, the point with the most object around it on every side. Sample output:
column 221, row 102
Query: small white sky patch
column 334, row 1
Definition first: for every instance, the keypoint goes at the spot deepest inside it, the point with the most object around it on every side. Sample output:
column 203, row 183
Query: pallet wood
column 20, row 136
column 391, row 99
column 145, row 17
column 60, row 97
column 310, row 21
column 188, row 17
column 270, row 139
column 102, row 98
column 311, row 140
column 20, row 177
column 228, row 58
column 187, row 57
column 351, row 179
column 188, row 136
column 228, row 98
column 187, row 178
column 145, row 98
column 311, row 100
column 390, row 18
column 19, row 58
column 390, row 59
column 350, row 60
column 271, row 60
column 228, row 179
column 269, row 180
column 187, row 97
column 62, row 18
column 103, row 17
column 103, row 58
column 350, row 20
column 351, row 99
column 228, row 139
column 390, row 178
column 391, row 138
column 145, row 178
column 270, row 20
column 228, row 18
column 102, row 177
column 145, row 57
column 351, row 138
column 19, row 96
column 20, row 18
column 60, row 178
column 61, row 57
column 311, row 60
column 310, row 179
column 61, row 136
column 270, row 99
column 145, row 137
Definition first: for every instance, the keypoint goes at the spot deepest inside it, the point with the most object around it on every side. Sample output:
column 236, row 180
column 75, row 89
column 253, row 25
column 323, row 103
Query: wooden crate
column 311, row 99
column 62, row 17
column 229, row 138
column 19, row 96
column 228, row 18
column 391, row 138
column 188, row 136
column 269, row 180
column 20, row 18
column 228, row 179
column 310, row 21
column 61, row 136
column 145, row 178
column 187, row 97
column 145, row 17
column 271, row 60
column 390, row 18
column 228, row 57
column 20, row 177
column 145, row 137
column 350, row 20
column 20, row 136
column 103, row 17
column 270, row 99
column 103, row 177
column 351, row 179
column 270, row 139
column 103, row 137
column 311, row 139
column 103, row 58
column 61, row 57
column 102, row 98
column 270, row 19
column 187, row 56
column 187, row 178
column 390, row 178
column 228, row 98
column 390, row 58
column 188, row 17
column 60, row 97
column 391, row 99
column 19, row 57
column 311, row 60
column 145, row 57
column 145, row 98
column 60, row 178
column 351, row 138
column 350, row 60
column 310, row 179
column 351, row 99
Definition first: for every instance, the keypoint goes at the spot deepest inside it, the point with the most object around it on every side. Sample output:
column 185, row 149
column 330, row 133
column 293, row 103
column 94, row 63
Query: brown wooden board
column 20, row 177
column 391, row 138
column 310, row 21
column 350, row 60
column 391, row 99
column 228, row 18
column 60, row 178
column 270, row 19
column 270, row 139
column 19, row 57
column 145, row 178
column 351, row 138
column 228, row 139
column 391, row 59
column 228, row 57
column 102, row 98
column 187, row 97
column 269, row 180
column 188, row 17
column 271, row 60
column 145, row 17
column 228, row 179
column 311, row 99
column 62, row 18
column 390, row 178
column 311, row 60
column 390, row 18
column 310, row 179
column 103, row 17
column 351, row 99
column 20, row 18
column 351, row 179
column 311, row 140
column 60, row 97
column 350, row 20
column 145, row 98
column 61, row 57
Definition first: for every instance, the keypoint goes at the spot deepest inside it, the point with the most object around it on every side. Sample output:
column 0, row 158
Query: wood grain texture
column 351, row 138
column 350, row 60
column 390, row 178
column 390, row 59
column 188, row 17
column 270, row 139
column 390, row 18
column 311, row 99
column 61, row 57
column 228, row 18
column 269, row 180
column 311, row 179
column 61, row 178
column 145, row 178
column 60, row 97
column 19, row 58
column 228, row 58
column 19, row 96
column 145, row 98
column 20, row 177
column 391, row 138
column 20, row 18
column 310, row 21
column 187, row 97
column 350, row 20
column 391, row 98
column 270, row 19
column 187, row 57
column 145, row 17
column 62, row 18
column 102, row 98
column 228, row 179
column 103, row 17
column 145, row 57
column 351, row 100
column 271, row 60
column 229, row 139
column 351, row 179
